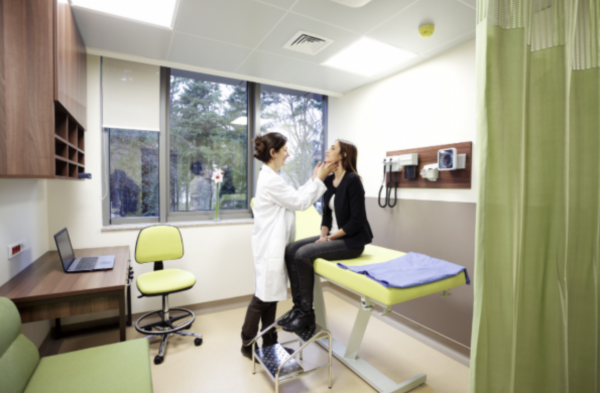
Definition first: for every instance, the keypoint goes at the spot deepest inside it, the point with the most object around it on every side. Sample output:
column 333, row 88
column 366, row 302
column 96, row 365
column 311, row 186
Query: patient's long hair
column 349, row 154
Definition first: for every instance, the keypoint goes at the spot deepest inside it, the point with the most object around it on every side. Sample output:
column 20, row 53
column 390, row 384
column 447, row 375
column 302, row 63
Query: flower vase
column 217, row 218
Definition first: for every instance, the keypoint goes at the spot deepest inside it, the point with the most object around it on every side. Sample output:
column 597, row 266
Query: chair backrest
column 158, row 243
column 19, row 357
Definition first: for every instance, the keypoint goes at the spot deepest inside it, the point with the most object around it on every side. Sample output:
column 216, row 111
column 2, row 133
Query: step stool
column 283, row 367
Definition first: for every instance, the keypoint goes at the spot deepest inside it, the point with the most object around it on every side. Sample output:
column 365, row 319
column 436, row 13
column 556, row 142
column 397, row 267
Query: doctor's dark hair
column 263, row 145
column 349, row 154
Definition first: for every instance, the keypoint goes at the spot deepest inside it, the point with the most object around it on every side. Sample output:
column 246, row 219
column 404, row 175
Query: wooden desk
column 44, row 291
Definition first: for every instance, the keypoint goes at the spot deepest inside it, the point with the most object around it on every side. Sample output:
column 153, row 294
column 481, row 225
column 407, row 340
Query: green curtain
column 536, row 320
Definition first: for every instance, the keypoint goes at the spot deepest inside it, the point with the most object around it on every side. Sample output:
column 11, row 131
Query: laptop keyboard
column 86, row 263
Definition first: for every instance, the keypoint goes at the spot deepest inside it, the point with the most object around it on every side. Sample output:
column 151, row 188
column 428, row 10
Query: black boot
column 305, row 315
column 305, row 318
column 290, row 264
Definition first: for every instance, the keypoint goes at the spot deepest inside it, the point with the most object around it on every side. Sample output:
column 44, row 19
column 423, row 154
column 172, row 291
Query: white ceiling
column 245, row 38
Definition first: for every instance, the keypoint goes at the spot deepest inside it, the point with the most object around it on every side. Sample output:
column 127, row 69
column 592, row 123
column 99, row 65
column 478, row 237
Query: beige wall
column 23, row 216
column 430, row 104
column 219, row 256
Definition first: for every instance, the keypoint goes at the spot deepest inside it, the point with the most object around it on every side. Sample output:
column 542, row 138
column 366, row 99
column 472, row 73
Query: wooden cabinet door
column 26, row 89
column 70, row 64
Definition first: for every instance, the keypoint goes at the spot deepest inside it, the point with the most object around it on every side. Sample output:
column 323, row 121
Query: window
column 298, row 116
column 207, row 130
column 165, row 176
column 133, row 173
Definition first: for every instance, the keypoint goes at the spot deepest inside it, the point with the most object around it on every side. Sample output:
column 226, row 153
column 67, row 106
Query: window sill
column 182, row 224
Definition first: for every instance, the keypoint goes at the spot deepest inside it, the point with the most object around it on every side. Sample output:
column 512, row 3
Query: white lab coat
column 275, row 227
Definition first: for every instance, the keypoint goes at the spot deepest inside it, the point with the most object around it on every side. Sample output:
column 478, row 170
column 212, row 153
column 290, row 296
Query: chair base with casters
column 156, row 244
column 167, row 326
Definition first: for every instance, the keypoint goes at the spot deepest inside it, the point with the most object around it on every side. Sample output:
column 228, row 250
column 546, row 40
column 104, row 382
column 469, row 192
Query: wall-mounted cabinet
column 42, row 91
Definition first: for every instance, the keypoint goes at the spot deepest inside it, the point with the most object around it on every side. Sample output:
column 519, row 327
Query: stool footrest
column 273, row 356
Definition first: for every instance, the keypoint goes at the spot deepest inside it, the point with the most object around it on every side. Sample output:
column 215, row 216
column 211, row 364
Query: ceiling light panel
column 368, row 57
column 155, row 12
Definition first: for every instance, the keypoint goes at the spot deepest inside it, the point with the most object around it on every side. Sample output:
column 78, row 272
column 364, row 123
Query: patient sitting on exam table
column 344, row 233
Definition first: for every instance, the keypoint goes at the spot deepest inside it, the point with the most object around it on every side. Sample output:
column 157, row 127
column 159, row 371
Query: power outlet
column 16, row 248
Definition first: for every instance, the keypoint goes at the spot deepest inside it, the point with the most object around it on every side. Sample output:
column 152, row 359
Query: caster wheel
column 198, row 342
column 158, row 359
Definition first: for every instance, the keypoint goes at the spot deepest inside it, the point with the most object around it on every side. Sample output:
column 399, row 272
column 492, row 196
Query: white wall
column 23, row 216
column 219, row 256
column 430, row 104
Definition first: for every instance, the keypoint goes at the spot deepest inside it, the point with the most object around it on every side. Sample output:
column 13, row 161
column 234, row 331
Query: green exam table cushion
column 109, row 368
column 372, row 289
column 308, row 224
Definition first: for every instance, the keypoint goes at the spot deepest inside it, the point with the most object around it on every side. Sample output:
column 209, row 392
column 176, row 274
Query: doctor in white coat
column 274, row 228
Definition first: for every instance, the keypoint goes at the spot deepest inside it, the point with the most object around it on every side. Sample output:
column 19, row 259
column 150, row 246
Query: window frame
column 165, row 215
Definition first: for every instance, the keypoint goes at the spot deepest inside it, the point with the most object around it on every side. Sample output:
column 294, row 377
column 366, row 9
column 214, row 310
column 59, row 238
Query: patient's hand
column 321, row 240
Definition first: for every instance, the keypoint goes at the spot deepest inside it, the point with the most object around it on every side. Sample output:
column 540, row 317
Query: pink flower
column 217, row 176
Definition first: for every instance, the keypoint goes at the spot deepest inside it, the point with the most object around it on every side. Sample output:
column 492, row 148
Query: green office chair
column 157, row 244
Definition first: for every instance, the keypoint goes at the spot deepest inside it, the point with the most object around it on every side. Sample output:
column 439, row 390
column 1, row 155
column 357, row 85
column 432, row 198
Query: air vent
column 307, row 43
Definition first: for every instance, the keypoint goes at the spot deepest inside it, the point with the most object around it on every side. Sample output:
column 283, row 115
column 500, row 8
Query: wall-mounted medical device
column 448, row 160
column 394, row 164
column 430, row 172
column 439, row 166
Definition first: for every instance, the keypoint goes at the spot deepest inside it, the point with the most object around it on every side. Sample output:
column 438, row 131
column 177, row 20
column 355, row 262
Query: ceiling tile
column 237, row 22
column 266, row 65
column 122, row 35
column 286, row 4
column 451, row 18
column 449, row 45
column 359, row 20
column 201, row 52
column 286, row 70
column 292, row 23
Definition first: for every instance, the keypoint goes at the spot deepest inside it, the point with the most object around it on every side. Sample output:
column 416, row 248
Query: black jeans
column 259, row 311
column 299, row 258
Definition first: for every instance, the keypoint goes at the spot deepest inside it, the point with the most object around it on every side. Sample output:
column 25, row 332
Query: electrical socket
column 16, row 248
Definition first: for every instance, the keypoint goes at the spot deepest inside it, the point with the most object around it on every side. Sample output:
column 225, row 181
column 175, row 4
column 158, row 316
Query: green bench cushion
column 18, row 356
column 121, row 367
column 368, row 287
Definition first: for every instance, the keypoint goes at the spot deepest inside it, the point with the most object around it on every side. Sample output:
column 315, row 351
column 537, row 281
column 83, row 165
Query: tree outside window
column 207, row 130
column 298, row 116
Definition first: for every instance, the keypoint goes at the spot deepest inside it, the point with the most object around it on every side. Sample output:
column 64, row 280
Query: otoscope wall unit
column 391, row 165
column 459, row 178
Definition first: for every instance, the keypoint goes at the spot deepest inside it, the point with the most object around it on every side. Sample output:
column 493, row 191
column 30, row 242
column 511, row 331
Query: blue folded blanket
column 409, row 270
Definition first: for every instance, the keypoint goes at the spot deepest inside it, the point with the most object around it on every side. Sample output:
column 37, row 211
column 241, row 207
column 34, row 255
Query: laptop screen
column 65, row 250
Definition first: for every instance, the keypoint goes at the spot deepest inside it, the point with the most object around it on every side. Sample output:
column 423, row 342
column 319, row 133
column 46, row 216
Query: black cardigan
column 350, row 211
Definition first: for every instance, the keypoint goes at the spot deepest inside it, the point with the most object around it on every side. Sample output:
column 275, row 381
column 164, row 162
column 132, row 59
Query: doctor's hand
column 323, row 170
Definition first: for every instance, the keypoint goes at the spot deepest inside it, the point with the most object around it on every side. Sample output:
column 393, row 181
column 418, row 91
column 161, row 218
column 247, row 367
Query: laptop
column 79, row 265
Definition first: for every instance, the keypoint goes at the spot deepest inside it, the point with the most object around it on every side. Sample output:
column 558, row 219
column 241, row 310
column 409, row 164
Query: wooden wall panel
column 26, row 89
column 460, row 178
column 70, row 87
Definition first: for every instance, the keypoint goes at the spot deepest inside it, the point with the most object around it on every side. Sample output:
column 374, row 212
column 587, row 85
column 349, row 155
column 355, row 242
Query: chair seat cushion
column 365, row 286
column 120, row 367
column 165, row 281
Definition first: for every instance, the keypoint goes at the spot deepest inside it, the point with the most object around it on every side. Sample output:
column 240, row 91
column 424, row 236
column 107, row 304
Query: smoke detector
column 307, row 43
column 353, row 3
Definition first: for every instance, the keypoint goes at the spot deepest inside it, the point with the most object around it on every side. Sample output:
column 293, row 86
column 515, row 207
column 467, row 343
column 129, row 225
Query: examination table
column 372, row 293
